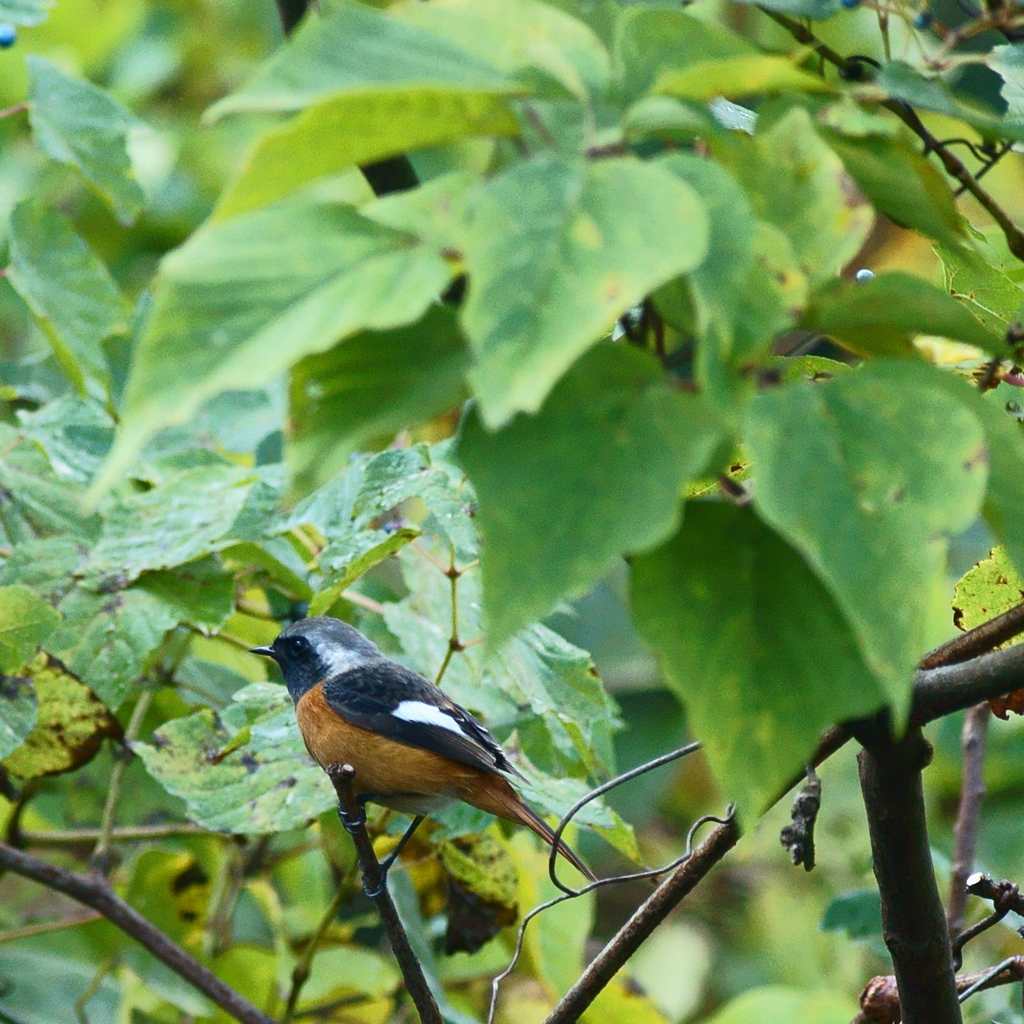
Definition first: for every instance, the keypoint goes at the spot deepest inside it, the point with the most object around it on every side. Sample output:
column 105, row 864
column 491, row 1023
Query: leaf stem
column 101, row 856
column 45, row 927
column 125, row 834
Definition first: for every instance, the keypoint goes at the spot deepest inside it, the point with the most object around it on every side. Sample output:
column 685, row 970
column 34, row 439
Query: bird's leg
column 385, row 864
column 353, row 822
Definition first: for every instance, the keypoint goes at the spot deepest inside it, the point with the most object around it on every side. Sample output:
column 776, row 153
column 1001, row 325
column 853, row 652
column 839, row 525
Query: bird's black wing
column 391, row 700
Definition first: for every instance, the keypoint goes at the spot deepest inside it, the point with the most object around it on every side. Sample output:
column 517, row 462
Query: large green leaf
column 79, row 124
column 17, row 712
column 191, row 514
column 901, row 82
column 897, row 461
column 70, row 723
column 882, row 315
column 245, row 298
column 649, row 41
column 353, row 129
column 68, row 289
column 1008, row 62
column 902, row 184
column 596, row 474
column 976, row 276
column 368, row 388
column 992, row 587
column 798, row 184
column 75, row 433
column 531, row 41
column 358, row 50
column 737, row 76
column 754, row 646
column 818, row 9
column 559, row 248
column 777, row 1003
column 244, row 770
column 25, row 622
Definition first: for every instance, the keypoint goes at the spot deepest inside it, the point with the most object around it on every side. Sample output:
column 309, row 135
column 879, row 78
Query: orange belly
column 384, row 767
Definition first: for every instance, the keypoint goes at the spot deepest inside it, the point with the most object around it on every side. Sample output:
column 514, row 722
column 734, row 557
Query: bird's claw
column 353, row 823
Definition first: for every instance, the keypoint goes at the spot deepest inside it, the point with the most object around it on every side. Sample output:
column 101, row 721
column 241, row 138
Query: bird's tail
column 498, row 797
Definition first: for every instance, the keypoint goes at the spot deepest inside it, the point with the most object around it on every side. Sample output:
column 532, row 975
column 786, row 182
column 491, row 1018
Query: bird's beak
column 267, row 652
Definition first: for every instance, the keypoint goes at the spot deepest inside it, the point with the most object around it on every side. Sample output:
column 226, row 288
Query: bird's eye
column 297, row 644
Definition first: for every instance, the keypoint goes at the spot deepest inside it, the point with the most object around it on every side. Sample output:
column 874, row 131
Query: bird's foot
column 353, row 822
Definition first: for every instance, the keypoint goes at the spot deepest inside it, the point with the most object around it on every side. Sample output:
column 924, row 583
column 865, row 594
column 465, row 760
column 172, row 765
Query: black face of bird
column 316, row 649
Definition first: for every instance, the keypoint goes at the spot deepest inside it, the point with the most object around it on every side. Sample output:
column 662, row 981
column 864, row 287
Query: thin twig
column 953, row 165
column 979, row 640
column 644, row 920
column 18, row 108
column 342, row 777
column 102, row 858
column 125, row 834
column 94, row 891
column 26, row 931
column 968, row 815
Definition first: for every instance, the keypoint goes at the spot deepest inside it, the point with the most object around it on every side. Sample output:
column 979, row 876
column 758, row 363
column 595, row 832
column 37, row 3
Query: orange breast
column 384, row 767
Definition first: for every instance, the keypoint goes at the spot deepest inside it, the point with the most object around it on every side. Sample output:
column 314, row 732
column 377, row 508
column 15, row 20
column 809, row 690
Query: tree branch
column 941, row 691
column 342, row 777
column 953, row 165
column 880, row 1000
column 96, row 892
column 913, row 922
column 645, row 919
column 972, row 794
column 125, row 834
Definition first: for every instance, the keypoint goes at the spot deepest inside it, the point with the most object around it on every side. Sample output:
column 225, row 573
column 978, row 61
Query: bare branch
column 913, row 922
column 342, row 776
column 125, row 834
column 645, row 919
column 941, row 691
column 979, row 640
column 972, row 794
column 880, row 1001
column 95, row 891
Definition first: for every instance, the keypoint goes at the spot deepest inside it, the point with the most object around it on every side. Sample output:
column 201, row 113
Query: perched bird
column 412, row 748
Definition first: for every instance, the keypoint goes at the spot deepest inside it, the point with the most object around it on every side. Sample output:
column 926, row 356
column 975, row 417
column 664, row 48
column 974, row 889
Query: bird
column 413, row 748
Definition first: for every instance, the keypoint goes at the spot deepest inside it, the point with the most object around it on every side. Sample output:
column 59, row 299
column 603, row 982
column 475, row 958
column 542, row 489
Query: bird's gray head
column 312, row 650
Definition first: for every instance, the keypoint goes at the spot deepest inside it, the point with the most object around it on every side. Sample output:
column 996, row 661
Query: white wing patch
column 426, row 714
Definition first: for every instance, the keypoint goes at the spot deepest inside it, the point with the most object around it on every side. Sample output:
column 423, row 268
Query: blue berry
column 849, row 4
column 863, row 275
column 923, row 20
column 8, row 34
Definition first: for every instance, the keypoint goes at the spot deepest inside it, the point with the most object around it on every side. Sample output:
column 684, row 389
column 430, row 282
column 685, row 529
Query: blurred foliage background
column 761, row 941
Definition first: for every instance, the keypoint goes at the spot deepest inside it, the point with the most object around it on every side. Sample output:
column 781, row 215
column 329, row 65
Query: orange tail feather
column 496, row 796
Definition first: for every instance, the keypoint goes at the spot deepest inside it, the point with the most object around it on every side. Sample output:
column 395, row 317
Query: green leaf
column 79, row 124
column 75, row 434
column 596, row 474
column 354, row 129
column 46, row 566
column 70, row 724
column 798, row 184
column 776, row 1003
column 901, row 464
column 25, row 12
column 69, row 290
column 1008, row 62
column 650, row 41
column 245, row 298
column 976, row 277
column 192, row 514
column 902, row 184
column 992, row 587
column 881, row 316
column 37, row 502
column 266, row 785
column 365, row 390
column 200, row 593
column 738, row 76
column 358, row 50
column 107, row 638
column 557, row 250
column 858, row 914
column 752, row 644
column 899, row 81
column 818, row 9
column 25, row 622
column 17, row 712
column 344, row 561
column 532, row 42
column 338, row 971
